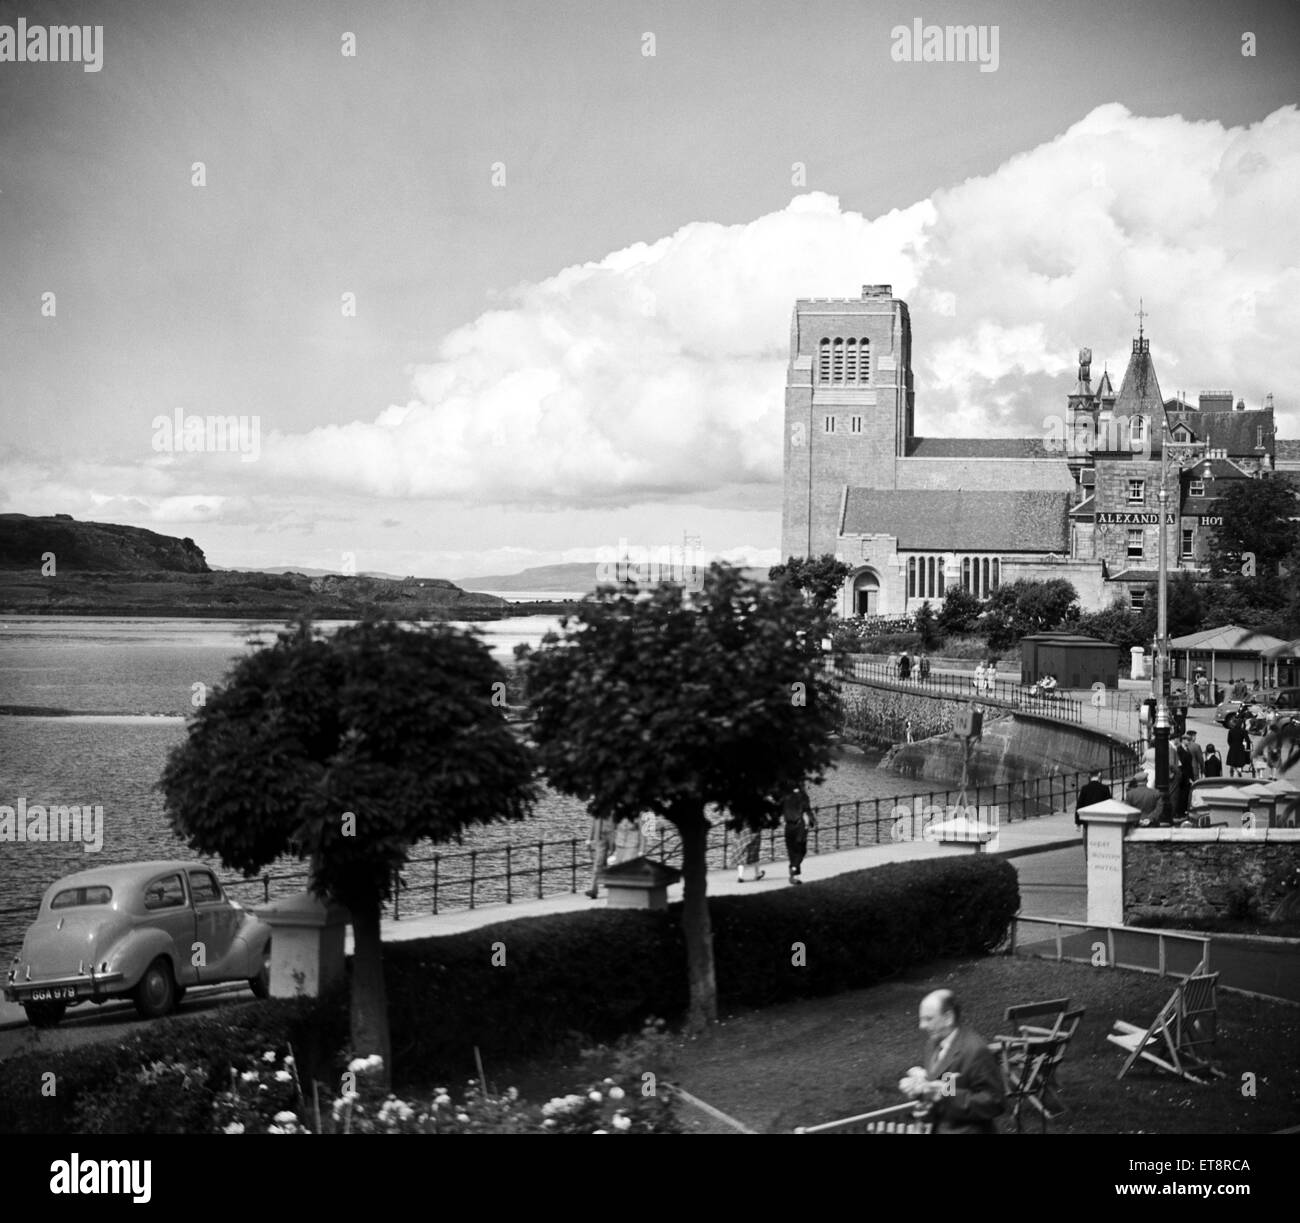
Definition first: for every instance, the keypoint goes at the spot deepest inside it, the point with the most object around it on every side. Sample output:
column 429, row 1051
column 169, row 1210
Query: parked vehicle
column 143, row 930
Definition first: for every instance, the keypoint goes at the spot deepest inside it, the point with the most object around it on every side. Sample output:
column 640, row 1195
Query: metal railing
column 995, row 692
column 1113, row 941
column 897, row 1119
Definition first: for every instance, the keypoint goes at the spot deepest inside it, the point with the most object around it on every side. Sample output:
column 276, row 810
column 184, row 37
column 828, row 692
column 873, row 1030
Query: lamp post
column 1160, row 675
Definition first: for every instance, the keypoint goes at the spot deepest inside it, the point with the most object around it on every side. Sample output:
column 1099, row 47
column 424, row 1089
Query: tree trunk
column 695, row 923
column 369, row 1010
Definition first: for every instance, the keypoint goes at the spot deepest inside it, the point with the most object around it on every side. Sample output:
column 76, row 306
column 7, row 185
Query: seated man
column 961, row 1079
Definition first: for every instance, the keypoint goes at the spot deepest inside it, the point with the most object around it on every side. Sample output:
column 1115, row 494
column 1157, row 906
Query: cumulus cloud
column 658, row 372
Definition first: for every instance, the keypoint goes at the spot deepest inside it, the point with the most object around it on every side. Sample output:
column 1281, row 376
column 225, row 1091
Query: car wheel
column 261, row 984
column 155, row 996
column 44, row 1014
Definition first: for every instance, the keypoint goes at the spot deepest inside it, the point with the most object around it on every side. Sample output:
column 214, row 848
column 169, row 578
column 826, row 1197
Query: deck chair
column 1053, row 1010
column 1183, row 1028
column 900, row 1119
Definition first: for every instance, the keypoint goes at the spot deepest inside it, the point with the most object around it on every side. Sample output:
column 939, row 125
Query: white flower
column 616, row 1093
column 442, row 1100
column 513, row 1093
column 463, row 1118
column 594, row 1097
column 609, row 1081
column 235, row 1127
column 283, row 1076
column 249, row 1076
column 621, row 1122
column 268, row 1056
column 274, row 1129
column 285, row 1118
column 288, row 1061
column 549, row 1123
column 601, row 1132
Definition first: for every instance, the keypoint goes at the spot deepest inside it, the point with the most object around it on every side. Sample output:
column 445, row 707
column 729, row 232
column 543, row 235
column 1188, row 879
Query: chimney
column 876, row 291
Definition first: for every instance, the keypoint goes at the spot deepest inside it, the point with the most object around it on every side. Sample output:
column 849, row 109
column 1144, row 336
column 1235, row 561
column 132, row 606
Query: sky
column 493, row 285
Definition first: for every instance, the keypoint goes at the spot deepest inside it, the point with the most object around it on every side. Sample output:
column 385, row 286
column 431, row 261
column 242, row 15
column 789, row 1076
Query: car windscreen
column 92, row 894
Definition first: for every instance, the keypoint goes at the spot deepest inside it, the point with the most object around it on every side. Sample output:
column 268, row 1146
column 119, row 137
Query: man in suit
column 1096, row 791
column 961, row 1078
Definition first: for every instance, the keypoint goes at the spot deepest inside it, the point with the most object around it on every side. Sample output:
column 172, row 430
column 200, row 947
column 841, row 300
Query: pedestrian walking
column 925, row 667
column 797, row 813
column 979, row 676
column 1095, row 791
column 1213, row 761
column 907, row 729
column 601, row 841
column 1198, row 756
column 1238, row 747
column 905, row 666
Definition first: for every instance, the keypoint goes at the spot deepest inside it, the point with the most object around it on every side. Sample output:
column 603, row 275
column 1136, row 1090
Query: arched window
column 995, row 573
column 1137, row 428
column 851, row 361
column 930, row 577
column 986, row 575
column 824, row 361
column 911, row 577
column 837, row 361
column 965, row 574
column 864, row 360
column 940, row 576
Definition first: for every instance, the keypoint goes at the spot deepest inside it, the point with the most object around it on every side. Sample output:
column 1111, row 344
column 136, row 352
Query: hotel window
column 855, row 424
column 1135, row 543
column 1137, row 428
column 837, row 361
column 1137, row 598
column 1189, row 534
column 1137, row 492
column 824, row 361
column 864, row 360
column 830, row 424
column 1196, row 488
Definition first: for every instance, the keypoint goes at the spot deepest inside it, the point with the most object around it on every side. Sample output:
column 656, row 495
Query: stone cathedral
column 916, row 517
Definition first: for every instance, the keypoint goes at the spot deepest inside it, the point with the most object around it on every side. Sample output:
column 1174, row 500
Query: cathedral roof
column 979, row 448
column 957, row 520
column 1104, row 387
column 1139, row 393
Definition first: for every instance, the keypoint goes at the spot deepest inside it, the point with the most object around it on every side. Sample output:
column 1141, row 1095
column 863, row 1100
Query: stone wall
column 1181, row 873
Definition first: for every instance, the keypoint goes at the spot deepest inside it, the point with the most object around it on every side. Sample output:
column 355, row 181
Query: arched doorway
column 866, row 594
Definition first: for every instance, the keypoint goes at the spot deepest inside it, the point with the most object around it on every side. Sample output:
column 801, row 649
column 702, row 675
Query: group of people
column 986, row 677
column 909, row 666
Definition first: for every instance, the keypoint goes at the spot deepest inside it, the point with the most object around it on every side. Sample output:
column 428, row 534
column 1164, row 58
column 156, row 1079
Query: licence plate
column 53, row 995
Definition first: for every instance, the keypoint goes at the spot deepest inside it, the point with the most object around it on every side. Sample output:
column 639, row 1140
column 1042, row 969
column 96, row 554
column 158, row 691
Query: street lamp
column 1160, row 673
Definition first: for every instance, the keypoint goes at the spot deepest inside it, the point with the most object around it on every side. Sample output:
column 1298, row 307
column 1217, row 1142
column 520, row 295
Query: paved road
column 113, row 1021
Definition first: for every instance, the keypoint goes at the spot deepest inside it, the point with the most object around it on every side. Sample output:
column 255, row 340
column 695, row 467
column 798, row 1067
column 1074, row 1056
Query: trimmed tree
column 680, row 704
column 347, row 751
column 822, row 577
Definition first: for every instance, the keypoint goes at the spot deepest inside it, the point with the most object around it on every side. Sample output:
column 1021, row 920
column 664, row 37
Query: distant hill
column 99, row 547
column 101, row 569
column 576, row 575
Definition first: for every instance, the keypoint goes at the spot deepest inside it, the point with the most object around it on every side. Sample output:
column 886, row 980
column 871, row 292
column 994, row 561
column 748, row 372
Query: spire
column 1139, row 393
column 1104, row 388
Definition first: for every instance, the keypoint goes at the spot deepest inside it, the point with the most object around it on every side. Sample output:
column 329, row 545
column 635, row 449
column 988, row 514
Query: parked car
column 1285, row 699
column 143, row 930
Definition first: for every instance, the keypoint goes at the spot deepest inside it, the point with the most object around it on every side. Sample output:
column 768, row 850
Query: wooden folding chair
column 1031, row 1056
column 1028, row 1065
column 1184, row 1025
